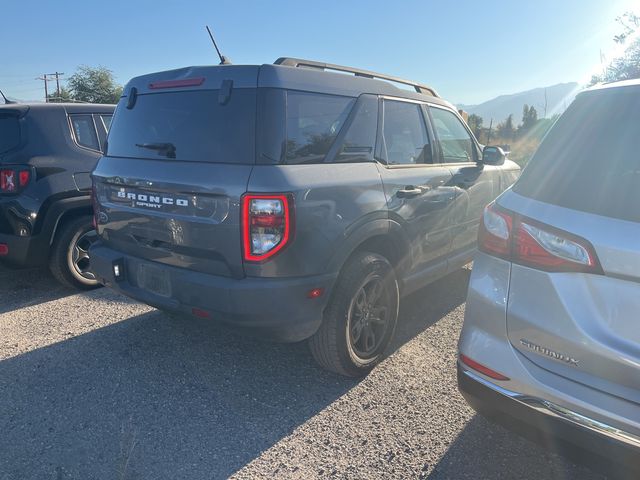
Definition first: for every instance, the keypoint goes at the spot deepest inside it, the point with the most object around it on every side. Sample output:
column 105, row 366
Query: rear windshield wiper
column 166, row 149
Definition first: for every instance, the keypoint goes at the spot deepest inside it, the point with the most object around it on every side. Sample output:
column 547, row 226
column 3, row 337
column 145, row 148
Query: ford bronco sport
column 290, row 199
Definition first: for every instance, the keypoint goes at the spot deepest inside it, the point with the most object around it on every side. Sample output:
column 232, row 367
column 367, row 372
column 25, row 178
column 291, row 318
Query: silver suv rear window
column 590, row 159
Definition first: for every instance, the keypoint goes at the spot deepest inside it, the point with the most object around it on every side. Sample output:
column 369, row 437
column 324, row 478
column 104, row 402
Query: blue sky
column 470, row 51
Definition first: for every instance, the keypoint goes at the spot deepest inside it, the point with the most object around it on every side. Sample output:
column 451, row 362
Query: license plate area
column 154, row 279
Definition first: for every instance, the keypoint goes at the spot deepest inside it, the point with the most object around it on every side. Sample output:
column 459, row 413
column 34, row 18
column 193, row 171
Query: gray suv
column 551, row 340
column 289, row 199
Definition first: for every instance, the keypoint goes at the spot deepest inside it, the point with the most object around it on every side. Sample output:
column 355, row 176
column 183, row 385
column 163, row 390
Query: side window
column 313, row 123
column 404, row 134
column 84, row 131
column 359, row 141
column 106, row 121
column 455, row 141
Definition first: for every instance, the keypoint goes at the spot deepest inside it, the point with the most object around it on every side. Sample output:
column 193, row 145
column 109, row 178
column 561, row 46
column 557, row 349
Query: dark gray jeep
column 294, row 201
column 47, row 151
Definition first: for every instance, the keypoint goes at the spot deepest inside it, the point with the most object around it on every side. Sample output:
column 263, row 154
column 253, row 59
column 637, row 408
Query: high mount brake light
column 266, row 225
column 527, row 242
column 12, row 180
column 186, row 82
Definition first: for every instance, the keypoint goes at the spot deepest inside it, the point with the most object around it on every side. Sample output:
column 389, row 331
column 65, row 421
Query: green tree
column 506, row 129
column 626, row 66
column 475, row 124
column 65, row 96
column 94, row 85
column 529, row 118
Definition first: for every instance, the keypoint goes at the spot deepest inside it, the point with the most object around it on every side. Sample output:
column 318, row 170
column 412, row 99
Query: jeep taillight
column 12, row 180
column 528, row 242
column 266, row 225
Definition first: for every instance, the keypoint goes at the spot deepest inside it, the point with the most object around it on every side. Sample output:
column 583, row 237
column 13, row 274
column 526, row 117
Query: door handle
column 410, row 191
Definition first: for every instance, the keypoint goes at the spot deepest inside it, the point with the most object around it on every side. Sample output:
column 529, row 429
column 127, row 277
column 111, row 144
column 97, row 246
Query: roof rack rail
column 298, row 62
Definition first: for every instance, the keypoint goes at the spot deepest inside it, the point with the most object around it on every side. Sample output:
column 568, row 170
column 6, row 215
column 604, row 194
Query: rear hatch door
column 585, row 180
column 178, row 160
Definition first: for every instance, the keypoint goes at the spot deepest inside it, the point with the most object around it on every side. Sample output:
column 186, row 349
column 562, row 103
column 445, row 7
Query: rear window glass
column 9, row 132
column 313, row 123
column 589, row 161
column 192, row 125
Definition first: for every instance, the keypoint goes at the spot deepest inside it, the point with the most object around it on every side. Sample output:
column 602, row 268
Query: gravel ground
column 97, row 386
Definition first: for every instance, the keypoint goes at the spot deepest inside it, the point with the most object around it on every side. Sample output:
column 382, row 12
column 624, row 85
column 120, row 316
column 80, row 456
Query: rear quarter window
column 9, row 132
column 313, row 121
column 84, row 131
column 590, row 160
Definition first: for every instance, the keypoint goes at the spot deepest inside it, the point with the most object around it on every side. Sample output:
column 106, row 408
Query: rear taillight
column 527, row 242
column 12, row 180
column 494, row 234
column 266, row 225
column 550, row 249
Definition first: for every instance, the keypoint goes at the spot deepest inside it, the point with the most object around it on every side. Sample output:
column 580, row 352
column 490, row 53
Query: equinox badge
column 549, row 353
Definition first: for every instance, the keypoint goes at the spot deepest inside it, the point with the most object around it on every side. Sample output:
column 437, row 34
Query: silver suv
column 551, row 340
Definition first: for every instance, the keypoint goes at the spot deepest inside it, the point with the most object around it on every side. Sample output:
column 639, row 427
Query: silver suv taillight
column 528, row 242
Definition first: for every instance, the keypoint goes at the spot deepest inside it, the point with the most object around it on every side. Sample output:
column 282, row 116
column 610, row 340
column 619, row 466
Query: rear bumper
column 29, row 251
column 272, row 307
column 581, row 438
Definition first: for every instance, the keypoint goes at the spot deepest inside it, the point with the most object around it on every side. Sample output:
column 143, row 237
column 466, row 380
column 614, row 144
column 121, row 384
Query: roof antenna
column 223, row 60
column 6, row 100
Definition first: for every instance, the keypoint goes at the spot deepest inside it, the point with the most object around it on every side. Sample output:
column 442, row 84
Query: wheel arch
column 65, row 210
column 384, row 237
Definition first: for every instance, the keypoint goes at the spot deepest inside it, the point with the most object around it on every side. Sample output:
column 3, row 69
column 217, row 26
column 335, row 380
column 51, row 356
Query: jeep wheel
column 69, row 259
column 361, row 317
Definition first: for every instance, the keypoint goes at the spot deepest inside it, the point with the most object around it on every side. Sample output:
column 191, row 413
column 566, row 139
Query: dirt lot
column 97, row 386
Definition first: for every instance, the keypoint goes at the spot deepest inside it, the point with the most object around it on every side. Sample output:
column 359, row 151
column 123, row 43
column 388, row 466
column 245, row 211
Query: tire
column 72, row 272
column 343, row 343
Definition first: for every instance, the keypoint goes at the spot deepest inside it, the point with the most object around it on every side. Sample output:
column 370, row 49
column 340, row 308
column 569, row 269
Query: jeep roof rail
column 298, row 62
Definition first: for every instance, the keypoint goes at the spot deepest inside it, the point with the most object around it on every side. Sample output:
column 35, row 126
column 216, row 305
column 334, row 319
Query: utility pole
column 46, row 78
column 57, row 75
column 46, row 87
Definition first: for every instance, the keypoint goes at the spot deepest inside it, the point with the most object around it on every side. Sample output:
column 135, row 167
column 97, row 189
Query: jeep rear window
column 186, row 125
column 589, row 160
column 9, row 132
column 313, row 123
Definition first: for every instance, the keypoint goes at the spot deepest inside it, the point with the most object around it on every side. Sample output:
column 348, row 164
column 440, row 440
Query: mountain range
column 558, row 97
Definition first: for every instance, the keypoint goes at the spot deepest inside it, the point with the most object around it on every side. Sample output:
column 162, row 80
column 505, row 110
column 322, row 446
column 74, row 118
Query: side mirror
column 493, row 156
